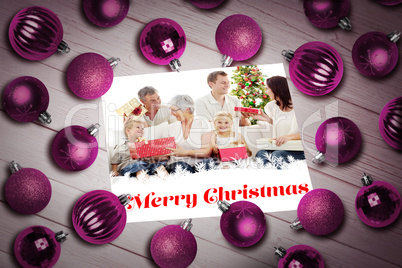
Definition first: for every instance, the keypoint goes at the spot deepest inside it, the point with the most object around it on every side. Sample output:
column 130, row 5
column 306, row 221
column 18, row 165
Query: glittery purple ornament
column 315, row 68
column 38, row 246
column 75, row 148
column 90, row 75
column 299, row 256
column 389, row 2
column 320, row 212
column 99, row 216
column 174, row 246
column 162, row 42
column 206, row 4
column 242, row 223
column 338, row 140
column 375, row 54
column 328, row 13
column 378, row 203
column 26, row 99
column 238, row 37
column 27, row 190
column 106, row 13
column 36, row 33
column 390, row 123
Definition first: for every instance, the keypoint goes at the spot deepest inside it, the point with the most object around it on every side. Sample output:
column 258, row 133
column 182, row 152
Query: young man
column 218, row 99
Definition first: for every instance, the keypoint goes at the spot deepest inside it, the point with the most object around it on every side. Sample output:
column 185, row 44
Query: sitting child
column 122, row 162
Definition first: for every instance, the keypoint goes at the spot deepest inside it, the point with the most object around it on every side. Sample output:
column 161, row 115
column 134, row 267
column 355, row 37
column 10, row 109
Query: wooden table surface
column 284, row 26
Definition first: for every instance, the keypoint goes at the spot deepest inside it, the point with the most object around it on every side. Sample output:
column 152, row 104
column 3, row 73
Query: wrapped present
column 270, row 144
column 133, row 108
column 232, row 153
column 151, row 147
column 247, row 110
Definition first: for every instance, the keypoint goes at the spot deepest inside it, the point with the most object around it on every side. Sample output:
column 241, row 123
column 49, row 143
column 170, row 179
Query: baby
column 121, row 160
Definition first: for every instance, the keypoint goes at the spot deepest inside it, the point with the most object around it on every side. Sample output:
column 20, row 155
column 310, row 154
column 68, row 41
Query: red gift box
column 152, row 147
column 232, row 153
column 247, row 110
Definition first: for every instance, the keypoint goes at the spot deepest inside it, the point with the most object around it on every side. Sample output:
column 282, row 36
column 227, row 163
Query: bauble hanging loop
column 299, row 256
column 390, row 123
column 328, row 13
column 106, row 13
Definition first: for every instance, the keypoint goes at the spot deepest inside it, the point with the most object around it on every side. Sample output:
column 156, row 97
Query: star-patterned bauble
column 162, row 42
column 328, row 13
column 238, row 37
column 320, row 212
column 36, row 33
column 242, row 223
column 378, row 203
column 99, row 216
column 206, row 4
column 90, row 75
column 338, row 140
column 27, row 190
column 390, row 123
column 389, row 2
column 75, row 148
column 106, row 13
column 38, row 247
column 315, row 68
column 26, row 99
column 375, row 54
column 174, row 246
column 299, row 256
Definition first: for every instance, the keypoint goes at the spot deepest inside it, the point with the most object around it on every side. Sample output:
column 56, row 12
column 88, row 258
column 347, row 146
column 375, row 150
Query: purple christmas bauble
column 320, row 212
column 35, row 33
column 378, row 204
column 26, row 99
column 99, row 217
column 27, row 190
column 390, row 123
column 374, row 54
column 74, row 148
column 163, row 41
column 36, row 246
column 206, row 4
column 238, row 37
column 316, row 68
column 106, row 13
column 389, row 2
column 89, row 75
column 173, row 247
column 300, row 256
column 326, row 13
column 243, row 224
column 338, row 139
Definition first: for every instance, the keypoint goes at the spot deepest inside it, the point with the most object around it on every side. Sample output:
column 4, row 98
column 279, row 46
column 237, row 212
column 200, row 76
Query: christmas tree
column 250, row 87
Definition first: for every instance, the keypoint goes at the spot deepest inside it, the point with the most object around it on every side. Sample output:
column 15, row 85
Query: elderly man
column 156, row 114
column 218, row 99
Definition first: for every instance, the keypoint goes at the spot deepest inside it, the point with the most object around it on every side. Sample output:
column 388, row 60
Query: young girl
column 121, row 160
column 223, row 135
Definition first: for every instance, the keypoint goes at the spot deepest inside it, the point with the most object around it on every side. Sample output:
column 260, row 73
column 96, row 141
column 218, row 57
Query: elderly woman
column 187, row 132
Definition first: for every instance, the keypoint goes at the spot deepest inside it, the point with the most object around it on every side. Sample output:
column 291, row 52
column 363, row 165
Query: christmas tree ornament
column 242, row 223
column 315, row 68
column 320, row 212
column 338, row 140
column 75, row 148
column 90, row 75
column 389, row 2
column 36, row 33
column 375, row 54
column 206, row 4
column 99, row 216
column 106, row 13
column 378, row 203
column 174, row 246
column 27, row 190
column 328, row 13
column 299, row 256
column 162, row 42
column 26, row 100
column 390, row 123
column 238, row 37
column 38, row 246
